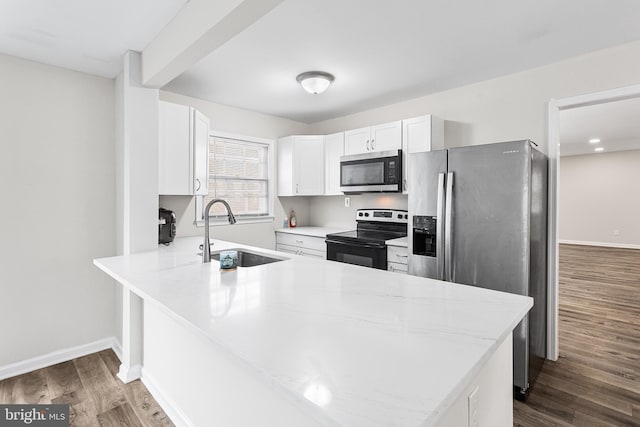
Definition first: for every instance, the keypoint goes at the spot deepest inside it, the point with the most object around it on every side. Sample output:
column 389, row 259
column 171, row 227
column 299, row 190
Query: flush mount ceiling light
column 594, row 140
column 599, row 149
column 315, row 82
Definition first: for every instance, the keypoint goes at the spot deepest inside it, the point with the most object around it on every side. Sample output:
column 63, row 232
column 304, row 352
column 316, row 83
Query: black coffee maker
column 166, row 226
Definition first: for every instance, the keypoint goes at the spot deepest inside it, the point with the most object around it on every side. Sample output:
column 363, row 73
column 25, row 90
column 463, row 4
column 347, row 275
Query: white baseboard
column 166, row 403
column 603, row 244
column 39, row 362
column 117, row 348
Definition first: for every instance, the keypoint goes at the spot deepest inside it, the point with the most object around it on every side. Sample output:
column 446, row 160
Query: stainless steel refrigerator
column 478, row 216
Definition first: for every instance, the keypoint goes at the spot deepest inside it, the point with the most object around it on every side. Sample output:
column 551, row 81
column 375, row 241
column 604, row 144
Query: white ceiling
column 387, row 51
column 616, row 124
column 84, row 35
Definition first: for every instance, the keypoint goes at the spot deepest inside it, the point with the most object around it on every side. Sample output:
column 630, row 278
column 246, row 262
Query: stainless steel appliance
column 371, row 172
column 480, row 218
column 166, row 226
column 366, row 245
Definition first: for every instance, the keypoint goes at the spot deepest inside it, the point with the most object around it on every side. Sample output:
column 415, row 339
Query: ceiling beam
column 198, row 29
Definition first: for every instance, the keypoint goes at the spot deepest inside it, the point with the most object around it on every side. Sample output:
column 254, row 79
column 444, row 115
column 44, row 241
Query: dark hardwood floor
column 596, row 380
column 89, row 384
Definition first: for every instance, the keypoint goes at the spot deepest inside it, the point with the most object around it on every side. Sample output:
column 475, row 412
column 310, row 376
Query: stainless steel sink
column 247, row 258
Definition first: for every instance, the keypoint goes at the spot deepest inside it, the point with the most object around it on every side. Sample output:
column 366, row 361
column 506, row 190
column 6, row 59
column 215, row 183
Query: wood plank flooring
column 90, row 386
column 596, row 380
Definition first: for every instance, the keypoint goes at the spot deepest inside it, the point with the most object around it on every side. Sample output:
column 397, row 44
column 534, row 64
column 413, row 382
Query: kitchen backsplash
column 330, row 211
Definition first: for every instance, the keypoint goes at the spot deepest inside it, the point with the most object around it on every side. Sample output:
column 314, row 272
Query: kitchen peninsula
column 309, row 342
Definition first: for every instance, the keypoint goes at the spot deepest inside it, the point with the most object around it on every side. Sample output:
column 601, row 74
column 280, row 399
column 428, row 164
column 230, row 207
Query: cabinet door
column 357, row 141
column 286, row 180
column 308, row 155
column 200, row 154
column 333, row 149
column 416, row 138
column 287, row 249
column 386, row 137
column 174, row 150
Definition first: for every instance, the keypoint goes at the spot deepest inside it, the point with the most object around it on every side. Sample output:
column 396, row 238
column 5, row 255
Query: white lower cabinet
column 299, row 244
column 397, row 259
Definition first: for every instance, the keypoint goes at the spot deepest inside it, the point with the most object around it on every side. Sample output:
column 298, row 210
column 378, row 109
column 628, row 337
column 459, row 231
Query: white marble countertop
column 313, row 231
column 401, row 241
column 385, row 349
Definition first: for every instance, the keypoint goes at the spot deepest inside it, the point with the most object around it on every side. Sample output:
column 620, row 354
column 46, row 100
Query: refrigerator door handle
column 448, row 229
column 440, row 228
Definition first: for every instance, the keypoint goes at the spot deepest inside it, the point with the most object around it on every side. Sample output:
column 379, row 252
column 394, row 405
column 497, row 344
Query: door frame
column 553, row 139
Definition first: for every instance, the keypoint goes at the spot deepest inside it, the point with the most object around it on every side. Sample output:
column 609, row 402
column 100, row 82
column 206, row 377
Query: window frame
column 217, row 220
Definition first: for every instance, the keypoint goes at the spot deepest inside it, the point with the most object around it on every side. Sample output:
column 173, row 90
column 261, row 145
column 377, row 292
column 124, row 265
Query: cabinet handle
column 406, row 187
column 402, row 256
column 297, row 188
column 373, row 146
column 300, row 241
column 390, row 267
column 368, row 145
column 198, row 182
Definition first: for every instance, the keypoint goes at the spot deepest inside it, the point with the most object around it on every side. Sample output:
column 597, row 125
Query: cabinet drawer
column 397, row 254
column 300, row 251
column 397, row 268
column 307, row 242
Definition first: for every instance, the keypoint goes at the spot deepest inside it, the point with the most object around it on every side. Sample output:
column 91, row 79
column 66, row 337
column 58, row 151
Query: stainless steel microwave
column 379, row 172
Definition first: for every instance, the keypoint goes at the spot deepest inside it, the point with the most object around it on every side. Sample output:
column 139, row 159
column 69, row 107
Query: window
column 240, row 173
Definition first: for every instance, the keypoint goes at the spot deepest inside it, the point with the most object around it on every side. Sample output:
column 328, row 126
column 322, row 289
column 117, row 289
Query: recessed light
column 594, row 140
column 598, row 149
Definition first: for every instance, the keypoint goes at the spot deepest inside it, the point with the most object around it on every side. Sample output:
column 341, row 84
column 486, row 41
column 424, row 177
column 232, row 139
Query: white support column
column 136, row 193
column 132, row 327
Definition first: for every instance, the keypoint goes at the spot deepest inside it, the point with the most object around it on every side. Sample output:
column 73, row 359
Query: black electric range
column 366, row 244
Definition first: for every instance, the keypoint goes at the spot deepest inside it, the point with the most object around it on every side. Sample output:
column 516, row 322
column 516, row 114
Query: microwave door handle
column 448, row 229
column 440, row 221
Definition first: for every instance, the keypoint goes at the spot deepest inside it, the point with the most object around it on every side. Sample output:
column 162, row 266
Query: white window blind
column 239, row 174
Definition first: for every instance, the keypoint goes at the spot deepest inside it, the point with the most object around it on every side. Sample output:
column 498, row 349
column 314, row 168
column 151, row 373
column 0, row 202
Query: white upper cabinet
column 183, row 144
column 420, row 134
column 301, row 165
column 386, row 137
column 357, row 141
column 383, row 137
column 333, row 150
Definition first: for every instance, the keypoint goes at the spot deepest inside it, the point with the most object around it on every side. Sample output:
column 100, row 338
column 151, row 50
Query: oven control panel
column 382, row 215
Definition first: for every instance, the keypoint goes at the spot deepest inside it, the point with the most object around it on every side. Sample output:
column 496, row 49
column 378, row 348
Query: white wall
column 511, row 107
column 242, row 122
column 599, row 194
column 57, row 184
column 329, row 211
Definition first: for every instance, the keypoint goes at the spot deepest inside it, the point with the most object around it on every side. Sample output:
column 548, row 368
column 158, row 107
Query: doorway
column 595, row 265
column 555, row 107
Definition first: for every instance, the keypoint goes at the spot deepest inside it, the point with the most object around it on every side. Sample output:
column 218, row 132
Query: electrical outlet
column 474, row 408
column 616, row 232
column 347, row 202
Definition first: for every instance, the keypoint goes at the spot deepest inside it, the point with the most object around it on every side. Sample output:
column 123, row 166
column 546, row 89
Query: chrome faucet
column 206, row 249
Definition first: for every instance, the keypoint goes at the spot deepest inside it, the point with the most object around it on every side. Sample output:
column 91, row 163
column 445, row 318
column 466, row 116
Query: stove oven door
column 365, row 254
